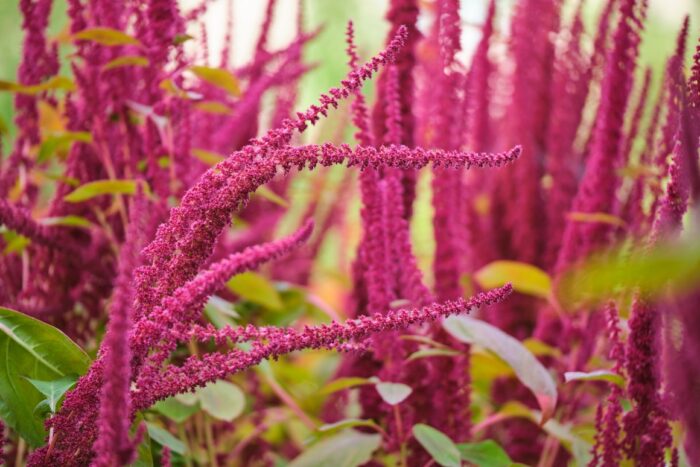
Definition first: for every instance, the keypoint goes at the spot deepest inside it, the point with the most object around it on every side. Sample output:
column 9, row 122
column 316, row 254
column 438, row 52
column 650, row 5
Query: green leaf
column 393, row 393
column 126, row 60
column 53, row 84
column 268, row 194
column 175, row 410
column 144, row 456
column 32, row 349
column 54, row 389
column 344, row 383
column 218, row 77
column 257, row 289
column 596, row 217
column 14, row 242
column 484, row 454
column 438, row 445
column 220, row 312
column 526, row 367
column 103, row 187
column 164, row 438
column 207, row 157
column 213, row 107
column 222, row 400
column 423, row 353
column 67, row 221
column 106, row 36
column 61, row 142
column 348, row 423
column 526, row 278
column 349, row 448
column 598, row 375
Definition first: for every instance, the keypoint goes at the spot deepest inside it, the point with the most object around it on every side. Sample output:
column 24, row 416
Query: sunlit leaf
column 32, row 350
column 54, row 83
column 393, row 393
column 14, row 242
column 61, row 143
column 54, row 389
column 207, row 157
column 268, row 194
column 165, row 438
column 257, row 289
column 175, row 410
column 222, row 400
column 484, row 454
column 344, row 383
column 598, row 375
column 126, row 60
column 103, row 187
column 438, row 445
column 181, row 38
column 596, row 217
column 218, row 77
column 106, row 36
column 526, row 367
column 540, row 349
column 525, row 278
column 67, row 221
column 349, row 448
column 348, row 423
column 423, row 353
column 213, row 107
column 220, row 312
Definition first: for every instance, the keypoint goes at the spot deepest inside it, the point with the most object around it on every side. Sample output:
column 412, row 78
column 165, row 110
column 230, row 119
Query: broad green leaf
column 175, row 410
column 596, row 217
column 14, row 242
column 484, row 454
column 348, row 423
column 220, row 312
column 126, row 60
column 188, row 398
column 580, row 448
column 257, row 289
column 164, row 438
column 53, row 84
column 349, row 448
column 207, row 157
column 67, row 221
column 344, row 383
column 222, row 400
column 61, row 142
column 393, row 393
column 106, row 36
column 103, row 187
column 32, row 349
column 598, row 375
column 526, row 278
column 526, row 367
column 438, row 445
column 218, row 77
column 268, row 194
column 213, row 107
column 54, row 389
column 423, row 353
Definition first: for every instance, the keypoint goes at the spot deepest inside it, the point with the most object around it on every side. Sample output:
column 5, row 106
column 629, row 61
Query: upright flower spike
column 598, row 186
column 113, row 446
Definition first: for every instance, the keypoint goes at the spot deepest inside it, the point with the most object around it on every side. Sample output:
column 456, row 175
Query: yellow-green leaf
column 598, row 375
column 268, row 194
column 106, row 36
column 67, row 221
column 526, row 278
column 596, row 217
column 126, row 60
column 348, row 448
column 344, row 383
column 103, row 187
column 257, row 289
column 218, row 77
column 61, row 142
column 53, row 84
column 441, row 448
column 527, row 368
column 222, row 400
column 213, row 107
column 207, row 157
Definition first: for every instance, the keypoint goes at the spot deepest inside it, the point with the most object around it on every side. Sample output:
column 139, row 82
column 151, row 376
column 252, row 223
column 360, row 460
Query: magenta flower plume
column 274, row 342
column 20, row 221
